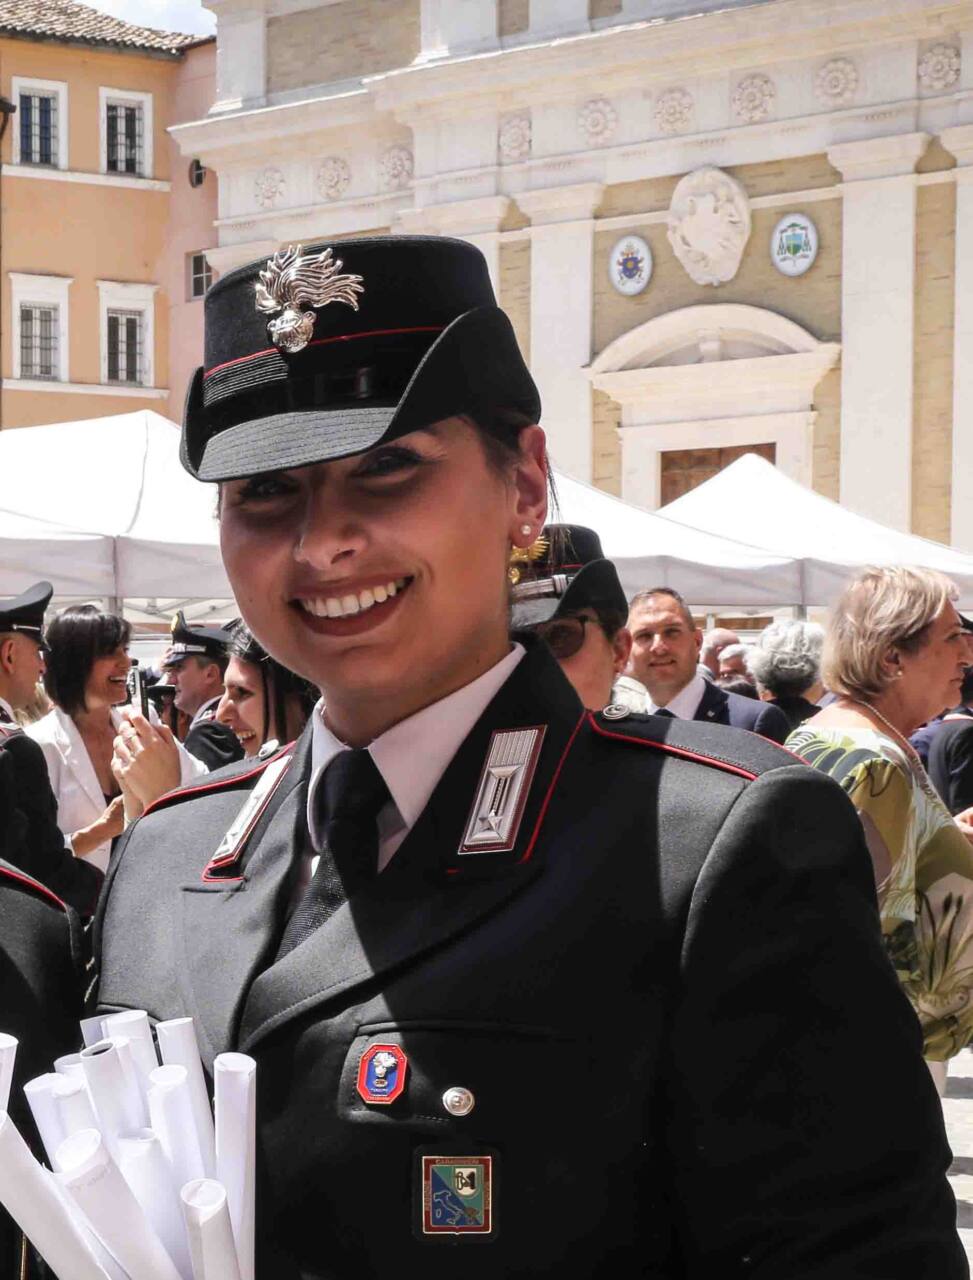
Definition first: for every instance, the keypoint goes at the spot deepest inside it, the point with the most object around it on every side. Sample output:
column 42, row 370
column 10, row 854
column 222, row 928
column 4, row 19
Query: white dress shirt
column 411, row 756
column 686, row 702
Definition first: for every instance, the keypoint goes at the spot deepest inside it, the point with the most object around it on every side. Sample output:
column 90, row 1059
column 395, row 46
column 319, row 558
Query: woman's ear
column 529, row 506
column 892, row 664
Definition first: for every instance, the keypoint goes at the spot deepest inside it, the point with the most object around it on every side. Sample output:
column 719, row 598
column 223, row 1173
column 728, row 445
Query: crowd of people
column 663, row 997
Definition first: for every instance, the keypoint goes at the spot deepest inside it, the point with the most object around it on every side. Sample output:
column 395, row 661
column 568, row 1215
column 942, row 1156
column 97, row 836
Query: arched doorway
column 700, row 385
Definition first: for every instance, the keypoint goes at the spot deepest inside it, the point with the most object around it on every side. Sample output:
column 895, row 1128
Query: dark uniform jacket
column 719, row 706
column 29, row 835
column 41, row 976
column 666, row 1001
column 951, row 760
column 214, row 743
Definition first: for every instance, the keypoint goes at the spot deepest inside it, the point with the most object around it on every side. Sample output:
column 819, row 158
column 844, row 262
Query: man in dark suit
column 666, row 645
column 31, row 838
column 951, row 754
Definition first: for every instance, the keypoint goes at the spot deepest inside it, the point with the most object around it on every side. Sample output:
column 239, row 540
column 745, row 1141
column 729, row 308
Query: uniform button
column 616, row 711
column 458, row 1101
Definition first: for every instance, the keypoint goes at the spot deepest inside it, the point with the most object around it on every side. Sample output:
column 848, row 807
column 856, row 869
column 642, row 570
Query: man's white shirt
column 686, row 702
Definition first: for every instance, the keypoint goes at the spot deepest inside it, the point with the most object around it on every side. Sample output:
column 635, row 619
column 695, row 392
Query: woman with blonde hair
column 895, row 655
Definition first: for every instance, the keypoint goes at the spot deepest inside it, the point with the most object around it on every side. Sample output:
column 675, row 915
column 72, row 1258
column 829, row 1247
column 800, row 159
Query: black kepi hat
column 564, row 571
column 324, row 352
column 26, row 612
column 198, row 642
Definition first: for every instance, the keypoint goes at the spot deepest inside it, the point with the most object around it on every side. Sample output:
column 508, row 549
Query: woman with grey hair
column 785, row 661
column 895, row 655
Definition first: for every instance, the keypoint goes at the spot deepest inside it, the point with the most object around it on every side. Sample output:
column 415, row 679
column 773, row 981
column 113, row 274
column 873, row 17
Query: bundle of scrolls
column 142, row 1184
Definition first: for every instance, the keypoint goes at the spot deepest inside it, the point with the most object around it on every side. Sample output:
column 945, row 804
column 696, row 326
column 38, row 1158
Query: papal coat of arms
column 630, row 265
column 293, row 281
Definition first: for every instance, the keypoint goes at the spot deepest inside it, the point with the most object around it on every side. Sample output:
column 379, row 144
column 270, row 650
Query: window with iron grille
column 124, row 137
column 200, row 275
column 125, row 330
column 37, row 116
column 38, row 342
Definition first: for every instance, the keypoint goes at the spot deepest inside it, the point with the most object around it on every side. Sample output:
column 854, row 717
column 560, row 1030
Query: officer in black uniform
column 566, row 592
column 206, row 739
column 31, row 838
column 532, row 990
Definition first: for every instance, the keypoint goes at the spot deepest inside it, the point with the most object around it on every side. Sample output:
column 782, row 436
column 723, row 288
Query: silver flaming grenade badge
column 292, row 281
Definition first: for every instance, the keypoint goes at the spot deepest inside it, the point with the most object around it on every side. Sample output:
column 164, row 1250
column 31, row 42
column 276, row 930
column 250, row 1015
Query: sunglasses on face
column 564, row 636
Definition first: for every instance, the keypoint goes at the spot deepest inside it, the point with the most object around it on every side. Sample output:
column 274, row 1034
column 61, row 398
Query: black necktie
column 665, row 713
column 346, row 807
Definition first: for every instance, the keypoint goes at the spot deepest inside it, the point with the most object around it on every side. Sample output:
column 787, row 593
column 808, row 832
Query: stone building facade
column 716, row 226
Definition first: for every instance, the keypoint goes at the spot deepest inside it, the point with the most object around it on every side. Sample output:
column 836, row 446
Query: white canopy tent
column 650, row 550
column 119, row 496
column 766, row 508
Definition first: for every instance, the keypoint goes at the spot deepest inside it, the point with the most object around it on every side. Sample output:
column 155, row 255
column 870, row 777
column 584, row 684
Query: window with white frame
column 40, row 129
column 38, row 340
column 39, row 309
column 126, row 132
column 127, row 333
column 199, row 276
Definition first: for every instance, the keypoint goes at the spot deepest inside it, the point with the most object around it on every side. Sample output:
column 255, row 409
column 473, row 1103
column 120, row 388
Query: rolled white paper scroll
column 171, row 1115
column 210, row 1232
column 8, row 1055
column 114, row 1090
column 39, row 1093
column 27, row 1193
column 149, row 1175
column 94, row 1181
column 92, row 1030
column 69, row 1065
column 72, row 1104
column 235, row 1078
column 134, row 1025
column 178, row 1047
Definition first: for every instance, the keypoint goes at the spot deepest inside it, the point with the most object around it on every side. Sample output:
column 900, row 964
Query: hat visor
column 474, row 363
column 594, row 586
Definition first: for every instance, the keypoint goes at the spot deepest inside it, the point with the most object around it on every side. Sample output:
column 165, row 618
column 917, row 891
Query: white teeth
column 348, row 606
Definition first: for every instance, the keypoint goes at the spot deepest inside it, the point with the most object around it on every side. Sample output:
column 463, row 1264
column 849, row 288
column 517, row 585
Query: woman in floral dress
column 895, row 655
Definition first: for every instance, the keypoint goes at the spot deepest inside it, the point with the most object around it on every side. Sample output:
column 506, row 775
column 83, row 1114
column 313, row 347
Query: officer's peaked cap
column 26, row 611
column 199, row 642
column 565, row 571
column 325, row 351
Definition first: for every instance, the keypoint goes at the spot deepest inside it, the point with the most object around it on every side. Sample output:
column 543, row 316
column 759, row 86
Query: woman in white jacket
column 87, row 667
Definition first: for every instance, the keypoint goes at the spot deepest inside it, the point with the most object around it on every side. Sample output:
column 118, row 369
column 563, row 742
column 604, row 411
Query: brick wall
column 323, row 45
column 932, row 439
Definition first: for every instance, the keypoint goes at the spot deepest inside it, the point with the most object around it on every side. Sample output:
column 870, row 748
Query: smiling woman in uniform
column 567, row 993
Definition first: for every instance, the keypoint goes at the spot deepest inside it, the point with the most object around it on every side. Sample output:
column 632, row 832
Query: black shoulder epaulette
column 738, row 751
column 230, row 777
column 13, row 876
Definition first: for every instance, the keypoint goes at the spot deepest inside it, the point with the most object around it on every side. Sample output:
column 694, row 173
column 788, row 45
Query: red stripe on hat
column 321, row 342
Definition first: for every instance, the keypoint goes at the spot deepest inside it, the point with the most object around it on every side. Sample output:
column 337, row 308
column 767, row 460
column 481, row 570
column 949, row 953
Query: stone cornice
column 561, row 204
column 959, row 143
column 640, row 53
column 886, row 157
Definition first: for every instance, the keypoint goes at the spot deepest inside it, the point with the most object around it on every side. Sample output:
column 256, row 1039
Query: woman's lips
column 356, row 616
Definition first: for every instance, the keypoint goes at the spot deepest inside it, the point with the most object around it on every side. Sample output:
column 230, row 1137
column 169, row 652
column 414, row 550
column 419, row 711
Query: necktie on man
column 665, row 713
column 347, row 804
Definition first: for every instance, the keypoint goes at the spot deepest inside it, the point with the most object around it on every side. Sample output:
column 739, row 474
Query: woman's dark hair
column 76, row 637
column 279, row 684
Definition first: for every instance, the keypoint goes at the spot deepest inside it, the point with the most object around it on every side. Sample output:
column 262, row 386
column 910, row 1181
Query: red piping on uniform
column 321, row 342
column 179, row 792
column 675, row 751
column 35, row 885
column 550, row 792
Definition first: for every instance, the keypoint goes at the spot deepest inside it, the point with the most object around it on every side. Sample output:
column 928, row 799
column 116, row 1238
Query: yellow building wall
column 513, row 17
column 515, row 290
column 321, row 46
column 812, row 300
column 88, row 231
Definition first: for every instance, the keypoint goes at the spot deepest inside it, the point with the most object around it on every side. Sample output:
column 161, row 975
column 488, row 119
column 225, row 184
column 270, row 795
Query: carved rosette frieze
column 939, row 67
column 395, row 168
column 709, row 225
column 597, row 120
column 753, row 99
column 513, row 137
column 268, row 187
column 836, row 83
column 673, row 112
column 332, row 177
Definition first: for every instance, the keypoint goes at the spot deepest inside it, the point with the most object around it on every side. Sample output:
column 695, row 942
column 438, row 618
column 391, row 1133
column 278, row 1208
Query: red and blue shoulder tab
column 232, row 777
column 13, row 878
column 736, row 751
